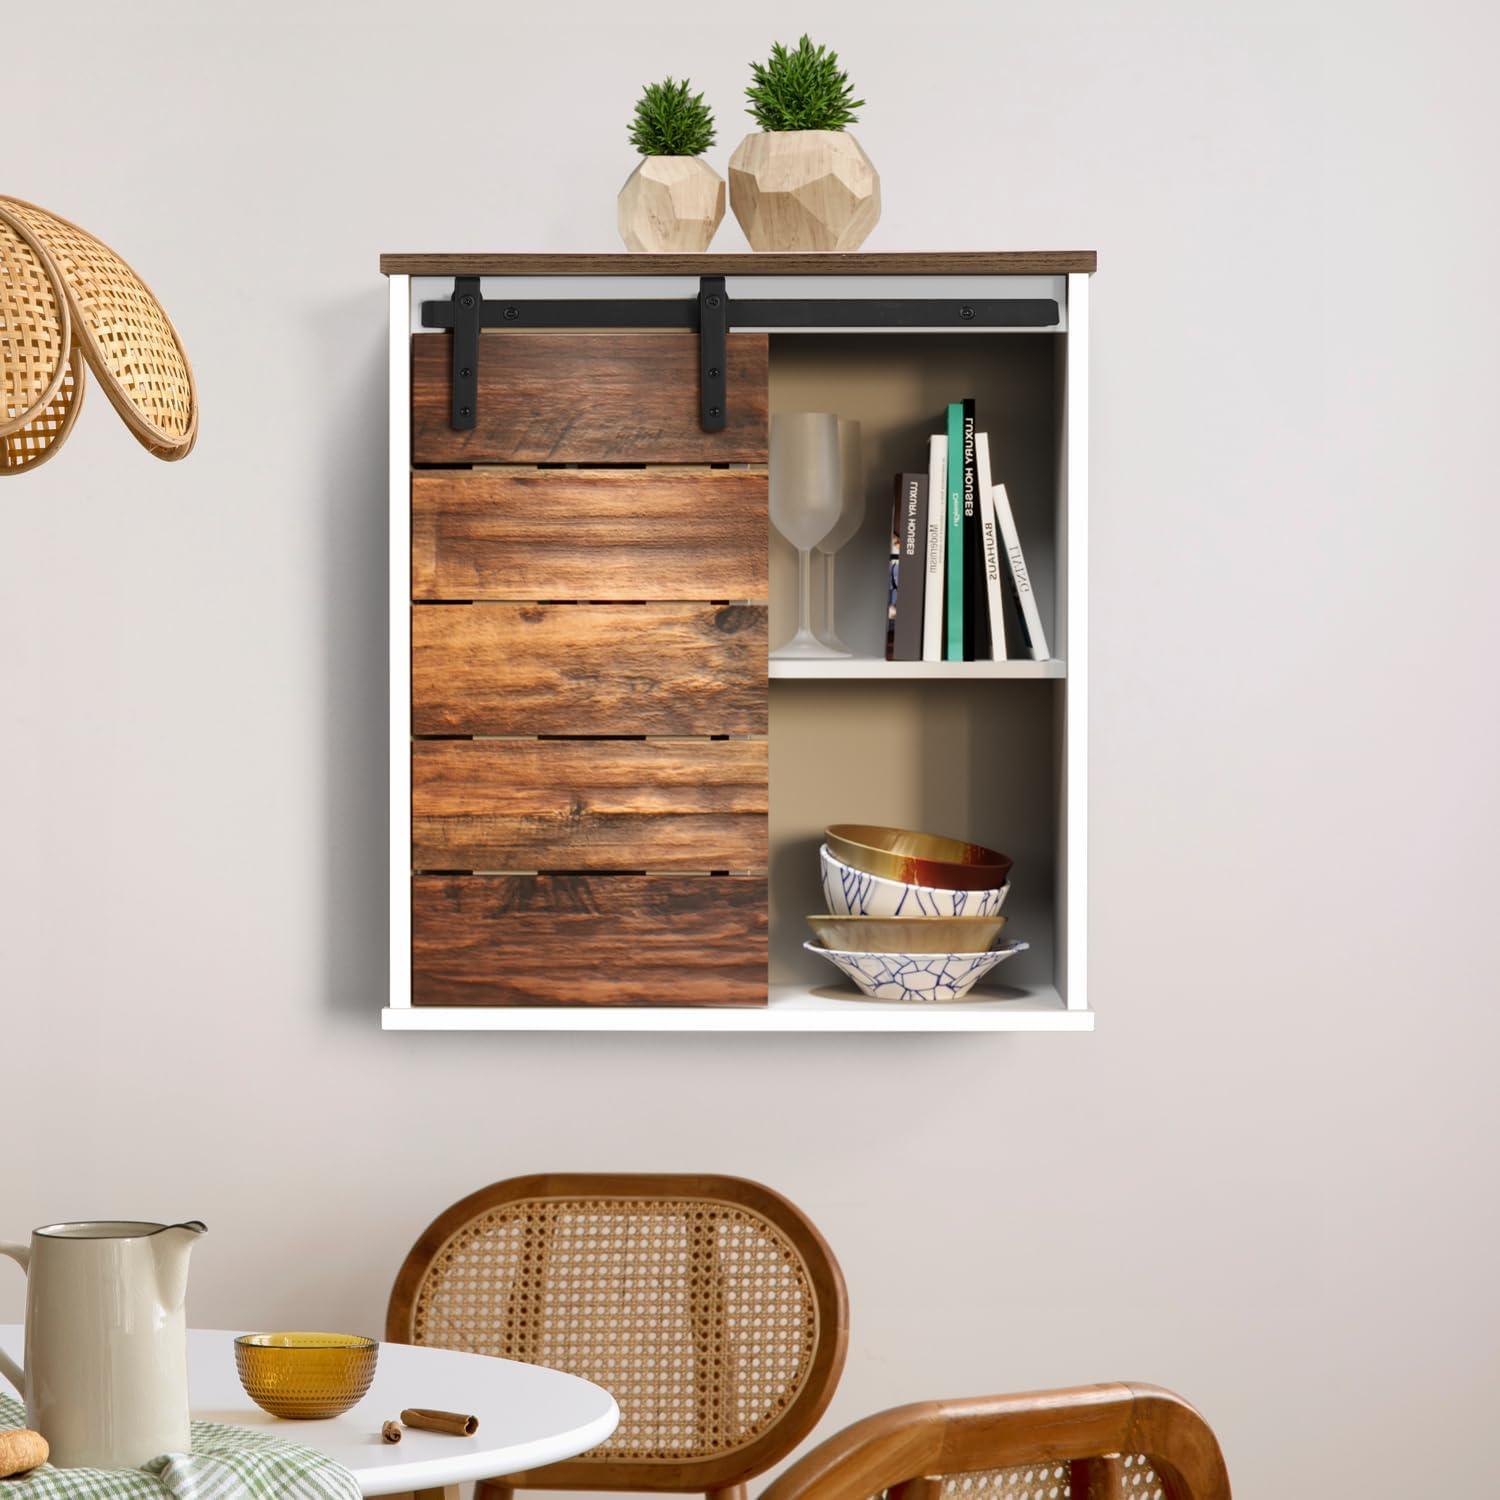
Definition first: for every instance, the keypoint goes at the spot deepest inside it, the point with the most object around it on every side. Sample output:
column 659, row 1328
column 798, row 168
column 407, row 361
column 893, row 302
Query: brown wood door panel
column 588, row 534
column 588, row 669
column 608, row 397
column 588, row 940
column 511, row 805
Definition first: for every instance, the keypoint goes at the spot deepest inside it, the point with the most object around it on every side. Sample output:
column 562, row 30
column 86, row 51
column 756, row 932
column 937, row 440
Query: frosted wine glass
column 806, row 503
column 851, row 518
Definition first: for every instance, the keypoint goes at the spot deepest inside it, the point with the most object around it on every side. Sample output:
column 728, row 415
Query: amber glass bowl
column 305, row 1375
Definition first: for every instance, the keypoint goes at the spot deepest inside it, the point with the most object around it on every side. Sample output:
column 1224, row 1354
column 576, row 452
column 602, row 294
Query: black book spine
column 976, row 620
column 910, row 566
column 893, row 587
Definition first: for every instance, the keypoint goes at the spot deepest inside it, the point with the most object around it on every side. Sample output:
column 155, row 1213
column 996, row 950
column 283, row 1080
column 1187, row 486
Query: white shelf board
column 792, row 1008
column 871, row 668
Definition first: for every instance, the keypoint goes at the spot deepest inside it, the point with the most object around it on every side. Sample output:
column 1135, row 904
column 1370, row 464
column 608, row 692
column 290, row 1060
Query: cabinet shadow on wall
column 353, row 541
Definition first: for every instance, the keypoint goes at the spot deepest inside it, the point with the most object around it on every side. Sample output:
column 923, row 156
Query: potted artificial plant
column 802, row 182
column 673, row 200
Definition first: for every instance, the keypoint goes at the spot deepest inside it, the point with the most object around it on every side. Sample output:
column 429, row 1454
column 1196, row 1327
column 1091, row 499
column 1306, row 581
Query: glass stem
column 828, row 613
column 804, row 593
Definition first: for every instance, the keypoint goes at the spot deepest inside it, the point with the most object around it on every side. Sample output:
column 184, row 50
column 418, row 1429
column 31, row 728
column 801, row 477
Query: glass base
column 830, row 638
column 805, row 646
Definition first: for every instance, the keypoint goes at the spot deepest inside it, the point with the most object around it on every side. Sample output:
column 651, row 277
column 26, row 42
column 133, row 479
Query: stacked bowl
column 910, row 916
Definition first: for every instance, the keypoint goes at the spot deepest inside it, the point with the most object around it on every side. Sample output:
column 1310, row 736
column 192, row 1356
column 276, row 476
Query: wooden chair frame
column 905, row 1452
column 725, row 1474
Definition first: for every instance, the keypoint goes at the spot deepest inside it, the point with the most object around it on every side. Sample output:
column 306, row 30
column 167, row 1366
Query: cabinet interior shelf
column 877, row 669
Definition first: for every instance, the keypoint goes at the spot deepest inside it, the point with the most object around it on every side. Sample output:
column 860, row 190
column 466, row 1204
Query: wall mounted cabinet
column 605, row 801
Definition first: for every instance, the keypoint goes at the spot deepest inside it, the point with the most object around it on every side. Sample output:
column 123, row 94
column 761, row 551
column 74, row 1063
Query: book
column 937, row 531
column 908, row 566
column 990, row 543
column 976, row 616
column 1033, row 636
column 893, row 576
column 953, row 614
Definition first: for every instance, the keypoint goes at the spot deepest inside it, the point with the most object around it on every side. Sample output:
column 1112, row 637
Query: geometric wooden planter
column 671, row 204
column 803, row 190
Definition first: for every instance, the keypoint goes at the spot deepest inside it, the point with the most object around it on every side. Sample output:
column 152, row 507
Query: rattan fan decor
column 35, row 326
column 34, row 442
column 122, row 331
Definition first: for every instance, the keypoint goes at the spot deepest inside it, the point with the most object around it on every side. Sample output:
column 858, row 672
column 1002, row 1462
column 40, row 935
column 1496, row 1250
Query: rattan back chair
column 709, row 1307
column 1093, row 1442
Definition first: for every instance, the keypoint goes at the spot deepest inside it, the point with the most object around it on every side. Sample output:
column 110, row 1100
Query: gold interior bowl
column 919, row 858
column 907, row 934
column 305, row 1375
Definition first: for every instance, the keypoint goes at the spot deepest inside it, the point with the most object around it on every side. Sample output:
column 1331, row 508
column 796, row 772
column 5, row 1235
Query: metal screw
column 467, row 300
column 464, row 373
column 711, row 301
column 713, row 411
column 713, row 374
column 512, row 313
column 465, row 411
column 966, row 312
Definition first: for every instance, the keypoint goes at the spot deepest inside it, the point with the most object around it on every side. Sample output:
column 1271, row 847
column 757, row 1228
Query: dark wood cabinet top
column 882, row 263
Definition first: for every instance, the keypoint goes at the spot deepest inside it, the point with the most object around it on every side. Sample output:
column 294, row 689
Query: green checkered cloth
column 227, row 1463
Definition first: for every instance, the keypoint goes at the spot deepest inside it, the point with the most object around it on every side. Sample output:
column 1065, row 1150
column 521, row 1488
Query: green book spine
column 953, row 636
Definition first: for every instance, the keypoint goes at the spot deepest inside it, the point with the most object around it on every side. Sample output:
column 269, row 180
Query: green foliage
column 671, row 120
column 801, row 89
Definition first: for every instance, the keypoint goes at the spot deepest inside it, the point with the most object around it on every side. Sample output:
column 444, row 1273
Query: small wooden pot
column 803, row 190
column 671, row 203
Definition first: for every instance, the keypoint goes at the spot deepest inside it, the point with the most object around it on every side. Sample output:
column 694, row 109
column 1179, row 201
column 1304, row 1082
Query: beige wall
column 1269, row 1178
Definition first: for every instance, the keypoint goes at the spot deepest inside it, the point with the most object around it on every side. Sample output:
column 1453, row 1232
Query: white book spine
column 1031, row 617
column 991, row 541
column 937, row 532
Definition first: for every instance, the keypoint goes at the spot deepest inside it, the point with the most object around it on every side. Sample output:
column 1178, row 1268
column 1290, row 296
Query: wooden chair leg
column 494, row 1489
column 443, row 1492
column 731, row 1492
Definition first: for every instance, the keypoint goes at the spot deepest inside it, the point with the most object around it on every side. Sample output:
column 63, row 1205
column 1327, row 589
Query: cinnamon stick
column 454, row 1423
column 21, row 1449
column 391, row 1432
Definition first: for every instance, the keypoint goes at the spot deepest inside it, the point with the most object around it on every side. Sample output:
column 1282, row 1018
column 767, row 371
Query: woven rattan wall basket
column 37, row 396
column 70, row 293
column 35, row 441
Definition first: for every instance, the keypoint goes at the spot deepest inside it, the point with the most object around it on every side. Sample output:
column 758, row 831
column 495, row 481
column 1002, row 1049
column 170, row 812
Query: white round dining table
column 528, row 1415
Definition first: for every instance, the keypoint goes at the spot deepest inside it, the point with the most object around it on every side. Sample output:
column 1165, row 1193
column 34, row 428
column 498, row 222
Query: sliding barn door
column 588, row 673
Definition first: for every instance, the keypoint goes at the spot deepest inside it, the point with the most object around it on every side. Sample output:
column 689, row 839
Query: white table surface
column 527, row 1415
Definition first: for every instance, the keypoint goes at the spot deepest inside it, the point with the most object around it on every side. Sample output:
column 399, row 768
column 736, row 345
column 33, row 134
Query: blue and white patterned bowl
column 917, row 976
column 848, row 892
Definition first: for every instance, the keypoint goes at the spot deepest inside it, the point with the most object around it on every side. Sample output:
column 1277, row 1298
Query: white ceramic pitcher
column 105, row 1380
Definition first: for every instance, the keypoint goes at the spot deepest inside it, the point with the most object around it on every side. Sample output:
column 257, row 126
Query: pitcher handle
column 21, row 1254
